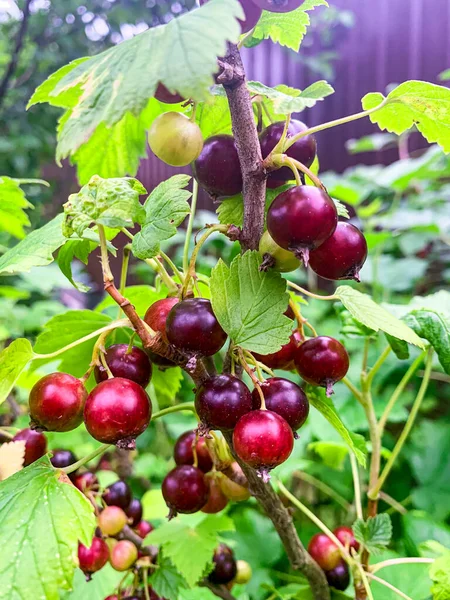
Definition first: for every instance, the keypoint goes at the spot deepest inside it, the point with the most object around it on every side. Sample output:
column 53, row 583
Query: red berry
column 143, row 528
column 217, row 500
column 133, row 364
column 62, row 459
column 117, row 494
column 184, row 490
column 279, row 6
column 339, row 577
column 346, row 537
column 184, row 455
column 225, row 567
column 192, row 326
column 156, row 315
column 304, row 150
column 117, row 411
column 86, row 482
column 123, row 555
column 112, row 520
column 217, row 169
column 285, row 398
column 134, row 512
column 57, row 402
column 35, row 445
column 324, row 551
column 301, row 219
column 284, row 358
column 263, row 440
column 94, row 558
column 163, row 95
column 252, row 14
column 221, row 401
column 342, row 255
column 322, row 361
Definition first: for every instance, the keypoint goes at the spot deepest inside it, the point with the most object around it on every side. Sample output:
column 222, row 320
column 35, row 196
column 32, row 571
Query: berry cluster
column 327, row 555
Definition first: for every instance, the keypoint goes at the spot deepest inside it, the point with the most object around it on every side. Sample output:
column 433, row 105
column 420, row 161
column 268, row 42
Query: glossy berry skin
column 117, row 494
column 346, row 537
column 143, row 528
column 322, row 361
column 35, row 445
column 184, row 455
column 263, row 440
column 217, row 500
column 134, row 365
column 278, row 258
column 339, row 577
column 217, row 169
column 192, row 326
column 304, row 150
column 301, row 219
column 285, row 398
column 163, row 95
column 56, row 402
column 225, row 567
column 279, row 6
column 157, row 313
column 112, row 520
column 324, row 551
column 185, row 490
column 342, row 255
column 117, row 411
column 95, row 557
column 134, row 512
column 86, row 482
column 221, row 401
column 284, row 358
column 252, row 14
column 175, row 139
column 62, row 459
column 123, row 555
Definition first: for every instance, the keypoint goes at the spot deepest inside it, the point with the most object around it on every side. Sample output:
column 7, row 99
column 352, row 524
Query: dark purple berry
column 134, row 512
column 322, row 361
column 117, row 494
column 217, row 169
column 63, row 458
column 185, row 490
column 285, row 398
column 221, row 401
column 339, row 577
column 225, row 567
column 35, row 445
column 129, row 363
column 184, row 455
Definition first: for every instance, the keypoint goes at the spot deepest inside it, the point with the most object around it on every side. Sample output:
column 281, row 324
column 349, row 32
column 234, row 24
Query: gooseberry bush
column 244, row 335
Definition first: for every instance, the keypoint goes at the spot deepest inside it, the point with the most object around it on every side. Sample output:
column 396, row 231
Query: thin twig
column 357, row 486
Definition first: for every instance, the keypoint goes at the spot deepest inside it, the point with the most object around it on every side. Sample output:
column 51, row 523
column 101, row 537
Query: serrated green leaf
column 333, row 454
column 189, row 542
column 440, row 575
column 103, row 584
column 121, row 80
column 13, row 360
column 435, row 328
column 165, row 209
column 287, row 29
column 42, row 521
column 425, row 105
column 167, row 384
column 341, row 209
column 110, row 202
column 140, row 296
column 375, row 533
column 74, row 249
column 35, row 250
column 13, row 204
column 214, row 117
column 165, row 580
column 285, row 100
column 355, row 442
column 249, row 304
column 370, row 314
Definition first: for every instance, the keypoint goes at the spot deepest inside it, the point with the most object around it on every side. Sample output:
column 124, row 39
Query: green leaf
column 285, row 100
column 434, row 327
column 287, row 29
column 110, row 202
column 13, row 203
column 214, row 117
column 425, row 105
column 375, row 533
column 189, row 542
column 74, row 249
column 165, row 580
column 165, row 209
column 341, row 209
column 104, row 88
column 371, row 143
column 35, row 250
column 325, row 406
column 370, row 314
column 140, row 296
column 13, row 360
column 67, row 328
column 411, row 579
column 103, row 584
column 154, row 505
column 440, row 575
column 42, row 521
column 444, row 75
column 249, row 304
column 167, row 384
column 333, row 454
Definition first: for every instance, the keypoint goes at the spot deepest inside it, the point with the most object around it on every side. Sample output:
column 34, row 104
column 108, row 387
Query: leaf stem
column 393, row 503
column 123, row 274
column 389, row 586
column 377, row 366
column 172, row 409
column 310, row 294
column 172, row 265
column 165, row 277
column 354, row 390
column 323, row 487
column 374, row 489
column 76, row 465
column 107, row 273
column 190, row 225
column 357, row 486
column 401, row 561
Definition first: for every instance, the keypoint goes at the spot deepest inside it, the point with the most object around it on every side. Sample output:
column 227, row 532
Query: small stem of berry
column 256, row 382
column 298, row 316
column 157, row 266
column 279, row 147
column 107, row 273
column 389, row 586
column 105, row 364
column 76, row 465
column 190, row 225
column 253, row 360
column 172, row 409
column 304, row 169
column 378, row 364
column 310, row 294
column 354, row 390
column 172, row 265
column 357, row 486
